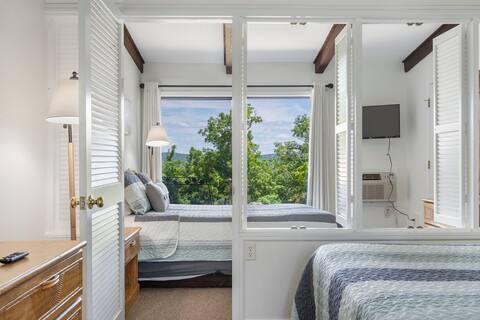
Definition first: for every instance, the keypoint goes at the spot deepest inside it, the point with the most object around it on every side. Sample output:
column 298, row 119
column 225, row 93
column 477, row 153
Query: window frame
column 356, row 231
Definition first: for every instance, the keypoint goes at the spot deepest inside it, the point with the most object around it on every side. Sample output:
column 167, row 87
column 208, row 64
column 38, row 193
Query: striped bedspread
column 204, row 232
column 390, row 281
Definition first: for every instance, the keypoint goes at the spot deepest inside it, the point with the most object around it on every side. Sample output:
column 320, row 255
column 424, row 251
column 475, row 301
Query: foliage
column 205, row 176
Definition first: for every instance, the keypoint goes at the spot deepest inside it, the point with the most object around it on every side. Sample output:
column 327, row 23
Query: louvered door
column 343, row 127
column 101, row 160
column 449, row 126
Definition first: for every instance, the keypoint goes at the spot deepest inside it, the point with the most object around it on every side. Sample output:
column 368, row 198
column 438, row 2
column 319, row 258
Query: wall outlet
column 250, row 251
column 388, row 211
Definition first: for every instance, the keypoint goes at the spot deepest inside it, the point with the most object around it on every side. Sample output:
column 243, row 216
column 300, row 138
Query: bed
column 190, row 241
column 390, row 281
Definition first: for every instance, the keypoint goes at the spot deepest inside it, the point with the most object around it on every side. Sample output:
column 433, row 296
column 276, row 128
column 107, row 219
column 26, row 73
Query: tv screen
column 381, row 121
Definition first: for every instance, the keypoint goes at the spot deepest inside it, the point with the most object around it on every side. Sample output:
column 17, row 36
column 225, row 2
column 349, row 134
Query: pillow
column 158, row 195
column 135, row 194
column 143, row 177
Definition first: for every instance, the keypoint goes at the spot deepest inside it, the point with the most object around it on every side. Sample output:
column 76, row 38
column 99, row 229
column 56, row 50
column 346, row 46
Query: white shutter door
column 101, row 166
column 343, row 133
column 448, row 55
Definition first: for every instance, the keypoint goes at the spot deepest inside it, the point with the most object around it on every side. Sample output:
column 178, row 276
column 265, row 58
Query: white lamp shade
column 157, row 137
column 64, row 103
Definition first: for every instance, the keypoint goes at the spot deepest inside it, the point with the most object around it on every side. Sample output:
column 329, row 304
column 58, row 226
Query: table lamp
column 156, row 138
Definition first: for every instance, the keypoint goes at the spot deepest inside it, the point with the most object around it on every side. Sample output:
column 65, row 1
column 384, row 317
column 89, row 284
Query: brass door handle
column 92, row 202
column 74, row 202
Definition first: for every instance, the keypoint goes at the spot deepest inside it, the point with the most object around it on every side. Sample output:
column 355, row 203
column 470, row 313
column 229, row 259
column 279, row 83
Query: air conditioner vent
column 377, row 187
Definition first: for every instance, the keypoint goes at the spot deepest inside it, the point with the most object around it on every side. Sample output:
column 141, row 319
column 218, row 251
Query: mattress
column 387, row 281
column 199, row 234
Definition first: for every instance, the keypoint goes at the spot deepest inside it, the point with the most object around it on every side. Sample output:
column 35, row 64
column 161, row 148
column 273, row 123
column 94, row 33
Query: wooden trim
column 227, row 47
column 216, row 280
column 327, row 51
column 425, row 48
column 132, row 49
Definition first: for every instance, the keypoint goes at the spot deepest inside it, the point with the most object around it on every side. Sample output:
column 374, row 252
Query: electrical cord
column 389, row 177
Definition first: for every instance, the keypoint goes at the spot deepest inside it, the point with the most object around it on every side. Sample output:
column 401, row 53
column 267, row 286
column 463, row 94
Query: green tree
column 205, row 176
column 290, row 164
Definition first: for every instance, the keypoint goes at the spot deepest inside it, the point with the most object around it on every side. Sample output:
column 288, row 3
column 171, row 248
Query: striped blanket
column 208, row 228
column 390, row 281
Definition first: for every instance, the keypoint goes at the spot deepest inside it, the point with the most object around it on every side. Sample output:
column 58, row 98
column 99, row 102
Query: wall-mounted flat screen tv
column 380, row 122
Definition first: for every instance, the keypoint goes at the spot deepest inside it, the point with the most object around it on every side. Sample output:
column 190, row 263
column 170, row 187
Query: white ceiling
column 394, row 42
column 187, row 42
column 182, row 42
column 283, row 42
column 194, row 42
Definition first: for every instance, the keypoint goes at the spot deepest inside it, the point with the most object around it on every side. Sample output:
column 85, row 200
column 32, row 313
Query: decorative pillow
column 135, row 194
column 143, row 177
column 158, row 195
column 165, row 189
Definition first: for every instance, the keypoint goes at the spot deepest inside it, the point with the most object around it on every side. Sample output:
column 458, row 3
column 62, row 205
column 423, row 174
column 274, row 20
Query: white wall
column 132, row 112
column 383, row 82
column 23, row 107
column 418, row 82
column 271, row 280
column 387, row 83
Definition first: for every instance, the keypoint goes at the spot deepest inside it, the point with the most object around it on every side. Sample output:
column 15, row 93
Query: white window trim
column 268, row 90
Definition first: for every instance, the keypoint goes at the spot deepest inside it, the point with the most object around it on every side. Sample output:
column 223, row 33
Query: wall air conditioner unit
column 377, row 187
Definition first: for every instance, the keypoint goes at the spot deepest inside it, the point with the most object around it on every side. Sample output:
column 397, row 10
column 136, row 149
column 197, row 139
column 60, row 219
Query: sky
column 183, row 118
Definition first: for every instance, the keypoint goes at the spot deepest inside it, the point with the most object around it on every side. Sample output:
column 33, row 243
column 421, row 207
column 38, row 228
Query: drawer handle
column 133, row 243
column 53, row 281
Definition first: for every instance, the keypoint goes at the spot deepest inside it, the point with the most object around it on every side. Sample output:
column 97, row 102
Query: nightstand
column 428, row 215
column 132, row 245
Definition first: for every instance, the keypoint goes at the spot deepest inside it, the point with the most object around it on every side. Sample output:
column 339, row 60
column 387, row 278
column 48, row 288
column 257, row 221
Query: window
column 197, row 167
column 278, row 149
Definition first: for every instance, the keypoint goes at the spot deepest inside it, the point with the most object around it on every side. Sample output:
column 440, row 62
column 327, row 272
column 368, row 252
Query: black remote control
column 13, row 257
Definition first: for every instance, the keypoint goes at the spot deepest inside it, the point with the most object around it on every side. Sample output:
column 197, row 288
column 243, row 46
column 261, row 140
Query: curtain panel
column 321, row 159
column 151, row 115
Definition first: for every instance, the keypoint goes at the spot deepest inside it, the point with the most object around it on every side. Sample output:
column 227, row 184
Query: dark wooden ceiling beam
column 132, row 49
column 327, row 51
column 227, row 47
column 425, row 48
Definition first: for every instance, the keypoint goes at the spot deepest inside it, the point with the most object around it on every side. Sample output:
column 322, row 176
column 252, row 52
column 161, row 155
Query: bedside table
column 132, row 245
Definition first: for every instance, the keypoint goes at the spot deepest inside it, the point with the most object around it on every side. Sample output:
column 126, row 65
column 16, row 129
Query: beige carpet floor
column 182, row 304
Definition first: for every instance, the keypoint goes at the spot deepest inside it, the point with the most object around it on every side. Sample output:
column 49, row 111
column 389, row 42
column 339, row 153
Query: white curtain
column 151, row 115
column 321, row 159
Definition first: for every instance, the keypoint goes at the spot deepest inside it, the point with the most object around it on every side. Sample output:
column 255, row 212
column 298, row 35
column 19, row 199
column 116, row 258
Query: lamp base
column 71, row 184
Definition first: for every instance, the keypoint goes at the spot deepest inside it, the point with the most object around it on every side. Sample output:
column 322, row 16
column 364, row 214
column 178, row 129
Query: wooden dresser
column 132, row 245
column 47, row 284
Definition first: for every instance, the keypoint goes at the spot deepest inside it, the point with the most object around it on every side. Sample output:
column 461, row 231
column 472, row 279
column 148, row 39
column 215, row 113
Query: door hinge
column 429, row 165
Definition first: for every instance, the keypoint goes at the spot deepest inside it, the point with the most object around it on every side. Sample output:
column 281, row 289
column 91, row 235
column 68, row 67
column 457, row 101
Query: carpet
column 182, row 304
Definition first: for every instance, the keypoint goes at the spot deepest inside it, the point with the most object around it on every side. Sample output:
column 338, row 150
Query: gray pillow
column 158, row 195
column 135, row 194
column 143, row 177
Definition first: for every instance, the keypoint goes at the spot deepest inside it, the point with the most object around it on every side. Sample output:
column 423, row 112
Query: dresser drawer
column 131, row 248
column 70, row 310
column 47, row 294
